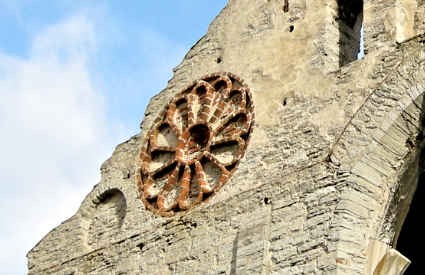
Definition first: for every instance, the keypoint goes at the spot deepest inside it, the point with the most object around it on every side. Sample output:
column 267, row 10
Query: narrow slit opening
column 285, row 7
column 350, row 21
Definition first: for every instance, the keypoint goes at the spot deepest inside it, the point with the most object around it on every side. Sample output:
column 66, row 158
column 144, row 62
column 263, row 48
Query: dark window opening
column 411, row 236
column 286, row 6
column 350, row 19
column 200, row 134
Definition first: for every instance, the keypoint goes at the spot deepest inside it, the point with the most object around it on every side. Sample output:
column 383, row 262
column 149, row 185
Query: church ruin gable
column 318, row 183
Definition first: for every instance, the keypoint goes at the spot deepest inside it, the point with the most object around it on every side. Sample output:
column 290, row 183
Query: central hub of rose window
column 193, row 144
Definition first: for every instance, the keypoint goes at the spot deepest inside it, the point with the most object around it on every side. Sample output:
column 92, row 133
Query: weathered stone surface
column 385, row 260
column 331, row 166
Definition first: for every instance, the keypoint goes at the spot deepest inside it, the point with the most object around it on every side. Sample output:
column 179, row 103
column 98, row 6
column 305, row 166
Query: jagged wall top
column 302, row 198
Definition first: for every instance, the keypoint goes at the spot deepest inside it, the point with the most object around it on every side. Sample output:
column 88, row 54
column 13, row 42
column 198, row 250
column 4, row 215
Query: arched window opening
column 350, row 19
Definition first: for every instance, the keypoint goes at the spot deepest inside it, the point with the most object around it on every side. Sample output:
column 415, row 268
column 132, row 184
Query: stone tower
column 271, row 151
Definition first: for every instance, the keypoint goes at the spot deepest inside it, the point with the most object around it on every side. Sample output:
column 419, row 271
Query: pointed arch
column 381, row 153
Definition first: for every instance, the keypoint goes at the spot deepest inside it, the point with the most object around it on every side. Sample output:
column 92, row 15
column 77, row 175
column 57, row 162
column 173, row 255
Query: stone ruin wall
column 312, row 190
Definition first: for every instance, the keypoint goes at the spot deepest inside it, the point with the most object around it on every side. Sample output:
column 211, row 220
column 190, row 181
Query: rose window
column 195, row 144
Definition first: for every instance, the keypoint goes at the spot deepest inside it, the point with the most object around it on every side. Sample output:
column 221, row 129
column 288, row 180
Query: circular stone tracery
column 195, row 144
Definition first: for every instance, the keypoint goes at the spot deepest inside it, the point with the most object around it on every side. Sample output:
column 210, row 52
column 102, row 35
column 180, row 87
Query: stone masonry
column 271, row 151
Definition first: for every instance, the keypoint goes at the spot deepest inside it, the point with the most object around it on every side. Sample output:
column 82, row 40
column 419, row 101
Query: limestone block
column 384, row 260
column 401, row 20
column 393, row 263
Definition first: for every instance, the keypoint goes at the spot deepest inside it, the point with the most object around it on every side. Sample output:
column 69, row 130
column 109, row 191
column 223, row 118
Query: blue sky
column 75, row 78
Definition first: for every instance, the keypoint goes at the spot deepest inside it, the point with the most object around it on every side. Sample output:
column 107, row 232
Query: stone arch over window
column 350, row 21
column 381, row 154
column 374, row 205
column 379, row 194
column 403, row 215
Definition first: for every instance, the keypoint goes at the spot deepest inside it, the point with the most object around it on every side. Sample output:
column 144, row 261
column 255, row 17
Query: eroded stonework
column 195, row 144
column 326, row 181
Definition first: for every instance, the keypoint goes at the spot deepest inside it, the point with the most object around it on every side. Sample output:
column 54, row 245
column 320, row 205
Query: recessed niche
column 107, row 219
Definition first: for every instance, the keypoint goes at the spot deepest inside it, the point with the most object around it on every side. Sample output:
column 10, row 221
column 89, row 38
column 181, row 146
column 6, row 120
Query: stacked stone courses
column 319, row 182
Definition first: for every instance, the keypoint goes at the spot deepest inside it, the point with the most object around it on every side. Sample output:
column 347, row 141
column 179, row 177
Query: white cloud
column 54, row 134
column 167, row 53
